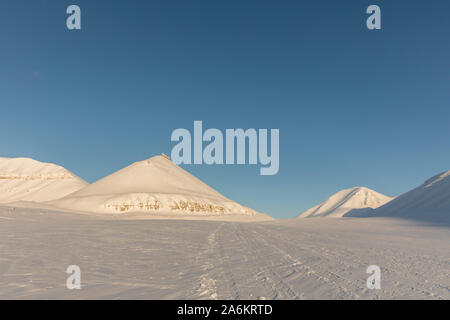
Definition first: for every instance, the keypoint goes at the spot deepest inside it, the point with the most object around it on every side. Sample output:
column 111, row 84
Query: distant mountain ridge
column 157, row 185
column 25, row 179
column 430, row 201
column 344, row 201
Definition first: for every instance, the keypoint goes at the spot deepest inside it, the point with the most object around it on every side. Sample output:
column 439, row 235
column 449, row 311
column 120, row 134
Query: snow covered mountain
column 155, row 185
column 343, row 202
column 430, row 201
column 24, row 179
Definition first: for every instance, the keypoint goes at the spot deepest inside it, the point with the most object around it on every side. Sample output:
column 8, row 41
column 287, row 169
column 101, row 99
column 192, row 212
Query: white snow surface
column 344, row 201
column 24, row 179
column 180, row 259
column 155, row 186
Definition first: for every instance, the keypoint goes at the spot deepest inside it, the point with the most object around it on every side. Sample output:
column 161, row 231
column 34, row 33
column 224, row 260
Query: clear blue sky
column 354, row 107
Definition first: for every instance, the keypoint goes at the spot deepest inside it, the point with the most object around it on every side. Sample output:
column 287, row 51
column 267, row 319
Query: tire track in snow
column 231, row 286
column 298, row 266
column 208, row 286
column 266, row 273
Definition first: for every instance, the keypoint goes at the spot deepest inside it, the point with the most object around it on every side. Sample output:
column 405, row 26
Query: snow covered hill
column 345, row 201
column 24, row 179
column 155, row 185
column 429, row 202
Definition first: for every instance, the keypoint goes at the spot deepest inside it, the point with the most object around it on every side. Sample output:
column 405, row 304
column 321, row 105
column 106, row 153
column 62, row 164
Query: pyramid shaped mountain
column 346, row 201
column 155, row 185
column 24, row 179
column 428, row 202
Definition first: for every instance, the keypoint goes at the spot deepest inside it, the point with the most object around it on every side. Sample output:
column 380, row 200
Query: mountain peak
column 345, row 201
column 155, row 185
column 437, row 178
column 26, row 179
column 159, row 159
column 428, row 202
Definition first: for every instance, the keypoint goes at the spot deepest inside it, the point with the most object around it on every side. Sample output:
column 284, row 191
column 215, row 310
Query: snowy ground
column 180, row 259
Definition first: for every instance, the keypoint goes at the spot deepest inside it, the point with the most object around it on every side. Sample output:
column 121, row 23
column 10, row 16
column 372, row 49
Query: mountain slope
column 24, row 179
column 430, row 201
column 155, row 185
column 345, row 201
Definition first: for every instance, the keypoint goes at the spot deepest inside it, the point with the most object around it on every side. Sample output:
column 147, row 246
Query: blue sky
column 354, row 107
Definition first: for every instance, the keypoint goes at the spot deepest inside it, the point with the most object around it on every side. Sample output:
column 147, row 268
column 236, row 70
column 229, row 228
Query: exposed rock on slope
column 155, row 185
column 23, row 179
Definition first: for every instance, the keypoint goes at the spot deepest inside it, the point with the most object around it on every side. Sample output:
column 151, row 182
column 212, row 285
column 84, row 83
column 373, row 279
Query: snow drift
column 155, row 185
column 24, row 179
column 429, row 202
column 346, row 201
